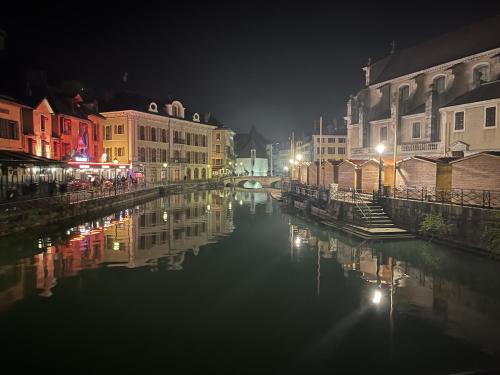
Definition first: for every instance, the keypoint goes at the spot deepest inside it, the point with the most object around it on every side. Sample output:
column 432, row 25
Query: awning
column 19, row 158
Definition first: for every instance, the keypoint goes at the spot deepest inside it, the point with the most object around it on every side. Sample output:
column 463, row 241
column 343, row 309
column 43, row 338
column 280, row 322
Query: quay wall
column 20, row 220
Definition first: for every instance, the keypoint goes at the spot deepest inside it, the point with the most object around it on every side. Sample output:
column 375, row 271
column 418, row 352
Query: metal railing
column 462, row 197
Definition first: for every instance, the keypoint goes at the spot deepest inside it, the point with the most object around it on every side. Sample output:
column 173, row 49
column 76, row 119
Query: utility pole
column 395, row 151
column 320, row 147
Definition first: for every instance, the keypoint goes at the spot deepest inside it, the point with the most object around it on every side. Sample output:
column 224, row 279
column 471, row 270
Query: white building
column 251, row 154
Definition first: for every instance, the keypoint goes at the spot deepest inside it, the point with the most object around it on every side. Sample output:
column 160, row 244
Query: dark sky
column 276, row 65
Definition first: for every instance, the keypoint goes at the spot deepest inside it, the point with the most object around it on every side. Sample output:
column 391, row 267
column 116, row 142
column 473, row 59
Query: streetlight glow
column 380, row 148
column 291, row 161
column 377, row 297
column 286, row 169
column 299, row 157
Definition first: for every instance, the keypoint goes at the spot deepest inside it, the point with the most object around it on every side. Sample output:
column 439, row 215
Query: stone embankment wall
column 466, row 224
column 20, row 220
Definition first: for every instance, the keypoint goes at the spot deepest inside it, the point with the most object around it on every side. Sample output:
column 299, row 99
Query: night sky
column 278, row 67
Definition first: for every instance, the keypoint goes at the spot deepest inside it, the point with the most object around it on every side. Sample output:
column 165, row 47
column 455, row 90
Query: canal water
column 226, row 282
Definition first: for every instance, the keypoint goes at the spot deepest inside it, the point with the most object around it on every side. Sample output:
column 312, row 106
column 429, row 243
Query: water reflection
column 457, row 292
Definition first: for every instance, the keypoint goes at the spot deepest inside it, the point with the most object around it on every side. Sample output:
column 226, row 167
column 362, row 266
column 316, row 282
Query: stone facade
column 403, row 106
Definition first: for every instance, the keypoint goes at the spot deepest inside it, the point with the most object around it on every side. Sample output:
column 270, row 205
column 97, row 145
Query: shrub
column 433, row 226
column 491, row 234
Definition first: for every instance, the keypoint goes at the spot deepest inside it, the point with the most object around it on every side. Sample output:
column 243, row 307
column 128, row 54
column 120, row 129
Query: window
column 481, row 74
column 119, row 129
column 43, row 120
column 164, row 137
column 148, row 133
column 95, row 133
column 459, row 154
column 196, row 158
column 188, row 138
column 217, row 149
column 176, row 137
column 218, row 161
column 331, row 140
column 459, row 121
column 341, row 150
column 9, row 129
column 196, row 138
column 55, row 151
column 45, row 149
column 217, row 137
column 109, row 153
column 31, row 146
column 153, row 134
column 188, row 157
column 383, row 134
column 65, row 126
column 107, row 135
column 163, row 155
column 415, row 133
column 439, row 84
column 142, row 133
column 404, row 92
column 341, row 140
column 490, row 117
column 331, row 150
column 142, row 154
column 317, row 150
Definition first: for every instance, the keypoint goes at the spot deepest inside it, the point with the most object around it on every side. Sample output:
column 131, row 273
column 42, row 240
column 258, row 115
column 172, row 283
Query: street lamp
column 299, row 157
column 285, row 168
column 165, row 165
column 380, row 149
column 115, row 162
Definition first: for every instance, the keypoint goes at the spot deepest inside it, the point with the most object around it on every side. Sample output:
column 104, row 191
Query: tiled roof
column 382, row 116
column 486, row 91
column 416, row 111
column 466, row 41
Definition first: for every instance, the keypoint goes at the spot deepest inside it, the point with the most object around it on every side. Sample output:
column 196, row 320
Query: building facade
column 333, row 146
column 406, row 91
column 223, row 158
column 162, row 141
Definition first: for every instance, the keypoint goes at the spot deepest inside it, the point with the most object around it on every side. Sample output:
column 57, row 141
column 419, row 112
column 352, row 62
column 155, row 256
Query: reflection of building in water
column 409, row 288
column 16, row 283
column 164, row 228
column 253, row 199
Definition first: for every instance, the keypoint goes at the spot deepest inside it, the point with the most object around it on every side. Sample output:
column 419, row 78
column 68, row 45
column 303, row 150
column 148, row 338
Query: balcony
column 406, row 148
column 421, row 147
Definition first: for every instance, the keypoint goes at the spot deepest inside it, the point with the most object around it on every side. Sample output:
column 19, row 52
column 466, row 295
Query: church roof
column 486, row 91
column 465, row 41
column 244, row 143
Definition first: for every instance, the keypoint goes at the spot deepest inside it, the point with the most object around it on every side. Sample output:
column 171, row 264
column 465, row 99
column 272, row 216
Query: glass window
column 217, row 149
column 439, row 84
column 341, row 150
column 331, row 140
column 153, row 134
column 481, row 74
column 43, row 119
column 404, row 92
column 383, row 134
column 217, row 136
column 490, row 119
column 142, row 133
column 331, row 150
column 341, row 140
column 164, row 136
column 415, row 130
column 459, row 121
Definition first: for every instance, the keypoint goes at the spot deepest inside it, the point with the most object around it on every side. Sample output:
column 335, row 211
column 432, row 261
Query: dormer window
column 404, row 93
column 439, row 84
column 481, row 74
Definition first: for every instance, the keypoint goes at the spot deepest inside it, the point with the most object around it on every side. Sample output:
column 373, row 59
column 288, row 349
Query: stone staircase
column 374, row 216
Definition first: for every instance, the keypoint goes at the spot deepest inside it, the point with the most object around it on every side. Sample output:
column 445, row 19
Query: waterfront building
column 424, row 171
column 284, row 157
column 251, row 151
column 304, row 148
column 333, row 145
column 422, row 97
column 161, row 140
column 223, row 157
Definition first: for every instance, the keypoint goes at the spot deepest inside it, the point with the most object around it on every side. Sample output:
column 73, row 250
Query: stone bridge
column 253, row 182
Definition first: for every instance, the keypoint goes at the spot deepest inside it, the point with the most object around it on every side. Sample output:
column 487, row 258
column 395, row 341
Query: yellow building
column 164, row 141
column 223, row 157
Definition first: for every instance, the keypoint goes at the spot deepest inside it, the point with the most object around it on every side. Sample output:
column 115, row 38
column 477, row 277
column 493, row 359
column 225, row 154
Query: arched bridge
column 253, row 182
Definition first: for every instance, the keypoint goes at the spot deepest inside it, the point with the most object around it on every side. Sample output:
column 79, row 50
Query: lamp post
column 165, row 165
column 115, row 162
column 380, row 149
column 241, row 167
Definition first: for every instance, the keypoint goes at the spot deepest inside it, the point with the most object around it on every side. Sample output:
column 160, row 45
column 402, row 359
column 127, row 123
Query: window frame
column 496, row 115
column 455, row 130
column 419, row 130
column 386, row 134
